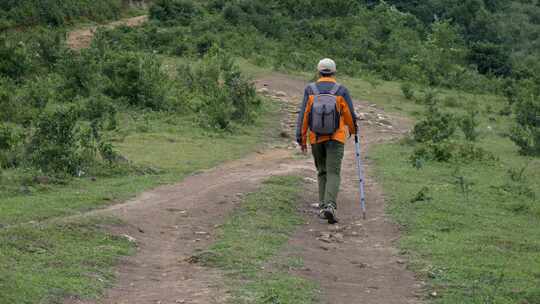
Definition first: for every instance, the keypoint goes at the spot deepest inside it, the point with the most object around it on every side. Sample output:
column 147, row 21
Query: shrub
column 469, row 152
column 8, row 141
column 174, row 11
column 15, row 60
column 469, row 123
column 436, row 126
column 138, row 79
column 518, row 184
column 82, row 73
column 53, row 145
column 58, row 12
column 221, row 94
column 407, row 90
column 48, row 45
column 441, row 152
column 526, row 131
column 9, row 108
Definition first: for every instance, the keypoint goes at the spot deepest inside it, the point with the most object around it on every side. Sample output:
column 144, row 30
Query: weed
column 407, row 90
column 469, row 124
column 422, row 195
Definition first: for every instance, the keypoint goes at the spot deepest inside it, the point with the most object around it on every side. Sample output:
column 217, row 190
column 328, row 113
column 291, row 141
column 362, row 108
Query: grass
column 249, row 244
column 46, row 263
column 471, row 229
column 173, row 146
column 480, row 245
column 43, row 261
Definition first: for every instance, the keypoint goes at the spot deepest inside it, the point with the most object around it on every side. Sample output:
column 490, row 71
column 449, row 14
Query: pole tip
column 364, row 215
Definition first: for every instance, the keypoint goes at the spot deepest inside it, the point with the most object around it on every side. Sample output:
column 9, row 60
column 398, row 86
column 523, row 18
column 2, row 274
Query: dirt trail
column 171, row 223
column 82, row 38
column 354, row 262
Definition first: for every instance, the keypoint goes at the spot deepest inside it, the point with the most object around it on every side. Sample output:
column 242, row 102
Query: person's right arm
column 300, row 119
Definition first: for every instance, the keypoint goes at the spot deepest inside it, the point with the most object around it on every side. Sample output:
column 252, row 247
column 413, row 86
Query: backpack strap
column 335, row 89
column 314, row 89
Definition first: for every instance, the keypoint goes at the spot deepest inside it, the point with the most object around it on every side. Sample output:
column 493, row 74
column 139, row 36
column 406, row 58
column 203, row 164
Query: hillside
column 175, row 130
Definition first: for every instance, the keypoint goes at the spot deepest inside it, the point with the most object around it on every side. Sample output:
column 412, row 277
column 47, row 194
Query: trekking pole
column 360, row 175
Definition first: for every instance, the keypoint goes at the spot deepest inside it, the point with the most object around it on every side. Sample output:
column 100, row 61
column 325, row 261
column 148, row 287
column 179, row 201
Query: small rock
column 201, row 233
column 323, row 239
column 338, row 237
column 359, row 264
column 281, row 94
column 385, row 122
column 324, row 247
column 263, row 91
column 433, row 294
column 310, row 180
column 401, row 262
column 130, row 238
column 93, row 178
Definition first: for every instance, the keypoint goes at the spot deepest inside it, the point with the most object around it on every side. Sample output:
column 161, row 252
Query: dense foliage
column 15, row 13
column 468, row 45
column 59, row 107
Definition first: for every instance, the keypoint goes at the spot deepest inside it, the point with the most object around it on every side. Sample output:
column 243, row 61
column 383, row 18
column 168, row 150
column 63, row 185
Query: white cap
column 327, row 65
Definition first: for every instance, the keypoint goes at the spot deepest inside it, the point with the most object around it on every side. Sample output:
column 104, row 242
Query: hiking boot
column 322, row 215
column 329, row 213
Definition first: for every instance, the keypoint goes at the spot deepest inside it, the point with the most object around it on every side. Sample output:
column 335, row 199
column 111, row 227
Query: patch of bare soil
column 82, row 38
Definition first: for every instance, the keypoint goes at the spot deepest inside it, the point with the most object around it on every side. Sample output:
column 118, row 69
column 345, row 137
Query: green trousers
column 328, row 156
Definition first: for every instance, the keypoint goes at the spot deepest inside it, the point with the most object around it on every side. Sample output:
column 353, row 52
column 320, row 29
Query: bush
column 469, row 123
column 221, row 94
column 407, row 90
column 174, row 11
column 138, row 79
column 436, row 126
column 58, row 12
column 526, row 131
column 468, row 152
column 441, row 152
column 82, row 73
column 15, row 60
column 53, row 145
column 8, row 141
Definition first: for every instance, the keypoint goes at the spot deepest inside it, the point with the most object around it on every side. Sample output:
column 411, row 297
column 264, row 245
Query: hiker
column 325, row 114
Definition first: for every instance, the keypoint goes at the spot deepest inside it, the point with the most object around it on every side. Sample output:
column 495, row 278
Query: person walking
column 326, row 118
